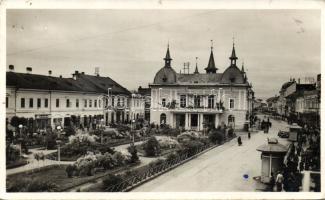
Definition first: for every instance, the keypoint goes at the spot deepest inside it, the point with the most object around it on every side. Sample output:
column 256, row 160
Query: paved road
column 219, row 170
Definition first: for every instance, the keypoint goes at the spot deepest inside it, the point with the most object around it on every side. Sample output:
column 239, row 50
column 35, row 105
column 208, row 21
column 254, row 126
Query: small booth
column 272, row 158
column 294, row 130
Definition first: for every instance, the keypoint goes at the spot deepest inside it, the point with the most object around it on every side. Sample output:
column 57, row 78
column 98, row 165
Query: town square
column 139, row 101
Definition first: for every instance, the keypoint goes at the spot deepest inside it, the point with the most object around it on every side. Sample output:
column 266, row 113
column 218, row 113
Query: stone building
column 193, row 100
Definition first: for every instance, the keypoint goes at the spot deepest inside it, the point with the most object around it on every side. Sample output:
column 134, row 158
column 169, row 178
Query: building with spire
column 196, row 100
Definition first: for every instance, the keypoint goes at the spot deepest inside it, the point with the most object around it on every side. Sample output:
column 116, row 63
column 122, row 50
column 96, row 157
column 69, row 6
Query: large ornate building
column 197, row 99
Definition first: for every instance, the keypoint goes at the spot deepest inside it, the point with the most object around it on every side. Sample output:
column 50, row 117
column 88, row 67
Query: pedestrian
column 249, row 135
column 239, row 141
column 279, row 181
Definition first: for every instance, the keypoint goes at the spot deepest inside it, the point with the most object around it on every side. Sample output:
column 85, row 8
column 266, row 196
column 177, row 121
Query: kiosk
column 272, row 158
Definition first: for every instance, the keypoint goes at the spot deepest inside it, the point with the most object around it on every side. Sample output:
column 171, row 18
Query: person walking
column 239, row 141
column 249, row 135
column 279, row 181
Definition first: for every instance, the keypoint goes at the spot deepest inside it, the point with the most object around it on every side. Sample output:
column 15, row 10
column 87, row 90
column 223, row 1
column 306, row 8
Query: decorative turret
column 233, row 58
column 211, row 68
column 196, row 69
column 167, row 58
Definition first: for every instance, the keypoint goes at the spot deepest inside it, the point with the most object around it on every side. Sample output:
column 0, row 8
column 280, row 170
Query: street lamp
column 132, row 131
column 58, row 141
column 101, row 130
column 20, row 139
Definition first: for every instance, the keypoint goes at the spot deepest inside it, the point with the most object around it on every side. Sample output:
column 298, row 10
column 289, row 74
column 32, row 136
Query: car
column 283, row 134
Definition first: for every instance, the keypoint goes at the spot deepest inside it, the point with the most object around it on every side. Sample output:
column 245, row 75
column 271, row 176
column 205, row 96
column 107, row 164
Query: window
column 163, row 118
column 22, row 102
column 119, row 103
column 231, row 103
column 112, row 101
column 90, row 103
column 77, row 103
column 211, row 101
column 67, row 103
column 7, row 100
column 57, row 103
column 85, row 103
column 163, row 102
column 46, row 103
column 38, row 103
column 95, row 103
column 183, row 101
column 197, row 101
column 31, row 102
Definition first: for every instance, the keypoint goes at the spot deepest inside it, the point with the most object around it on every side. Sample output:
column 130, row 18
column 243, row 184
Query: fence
column 152, row 172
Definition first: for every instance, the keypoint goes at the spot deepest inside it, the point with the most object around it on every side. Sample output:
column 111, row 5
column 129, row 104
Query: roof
column 286, row 85
column 233, row 75
column 144, row 91
column 233, row 53
column 199, row 78
column 272, row 99
column 83, row 83
column 165, row 75
column 272, row 147
column 211, row 68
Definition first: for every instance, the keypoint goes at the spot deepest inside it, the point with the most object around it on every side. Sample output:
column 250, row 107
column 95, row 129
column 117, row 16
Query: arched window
column 231, row 121
column 163, row 118
column 137, row 115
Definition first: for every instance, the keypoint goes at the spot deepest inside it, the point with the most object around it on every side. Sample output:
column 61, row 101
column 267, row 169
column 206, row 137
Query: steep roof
column 83, row 83
column 211, row 68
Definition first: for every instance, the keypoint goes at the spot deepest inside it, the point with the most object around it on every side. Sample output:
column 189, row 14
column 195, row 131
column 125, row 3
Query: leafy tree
column 69, row 170
column 152, row 147
column 134, row 154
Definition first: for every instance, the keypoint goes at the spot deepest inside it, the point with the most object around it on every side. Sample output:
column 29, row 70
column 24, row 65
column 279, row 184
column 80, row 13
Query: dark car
column 283, row 134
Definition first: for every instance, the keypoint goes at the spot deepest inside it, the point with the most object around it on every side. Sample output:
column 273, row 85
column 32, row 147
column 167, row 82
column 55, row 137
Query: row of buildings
column 298, row 101
column 84, row 100
column 181, row 100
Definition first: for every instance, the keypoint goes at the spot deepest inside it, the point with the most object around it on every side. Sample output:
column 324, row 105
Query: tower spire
column 233, row 58
column 242, row 67
column 211, row 68
column 196, row 69
column 167, row 57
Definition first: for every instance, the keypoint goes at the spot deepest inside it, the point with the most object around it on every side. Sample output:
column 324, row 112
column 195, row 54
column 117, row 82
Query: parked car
column 283, row 134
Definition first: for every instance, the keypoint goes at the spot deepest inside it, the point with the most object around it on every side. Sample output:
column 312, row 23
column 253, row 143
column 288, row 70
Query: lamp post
column 58, row 141
column 132, row 131
column 101, row 130
column 20, row 139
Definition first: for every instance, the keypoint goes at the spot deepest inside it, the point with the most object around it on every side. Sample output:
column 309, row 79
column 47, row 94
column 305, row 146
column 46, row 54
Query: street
column 220, row 170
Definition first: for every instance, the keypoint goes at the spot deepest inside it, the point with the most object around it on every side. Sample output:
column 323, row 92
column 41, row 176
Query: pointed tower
column 196, row 69
column 211, row 68
column 242, row 68
column 233, row 58
column 167, row 58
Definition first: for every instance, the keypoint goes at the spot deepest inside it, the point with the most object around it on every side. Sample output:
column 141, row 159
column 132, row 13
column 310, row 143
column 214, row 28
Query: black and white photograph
column 122, row 101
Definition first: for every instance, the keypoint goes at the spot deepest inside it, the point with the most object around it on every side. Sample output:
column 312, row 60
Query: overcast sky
column 129, row 45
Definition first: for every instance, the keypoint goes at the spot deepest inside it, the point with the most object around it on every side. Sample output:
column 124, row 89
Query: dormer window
column 164, row 79
column 232, row 79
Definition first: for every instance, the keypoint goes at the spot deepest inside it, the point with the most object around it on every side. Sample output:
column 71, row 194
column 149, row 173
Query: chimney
column 50, row 72
column 83, row 73
column 298, row 80
column 11, row 68
column 75, row 75
column 60, row 76
column 29, row 70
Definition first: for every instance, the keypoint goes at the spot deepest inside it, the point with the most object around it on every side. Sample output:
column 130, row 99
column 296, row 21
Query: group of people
column 304, row 155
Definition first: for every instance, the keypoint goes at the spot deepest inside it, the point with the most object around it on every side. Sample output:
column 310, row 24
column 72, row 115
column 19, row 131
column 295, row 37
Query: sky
column 129, row 45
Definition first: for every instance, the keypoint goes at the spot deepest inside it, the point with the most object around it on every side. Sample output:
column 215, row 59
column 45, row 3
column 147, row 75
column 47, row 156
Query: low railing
column 152, row 172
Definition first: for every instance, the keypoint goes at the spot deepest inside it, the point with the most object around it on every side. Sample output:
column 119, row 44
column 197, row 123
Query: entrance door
column 209, row 121
column 194, row 122
column 180, row 120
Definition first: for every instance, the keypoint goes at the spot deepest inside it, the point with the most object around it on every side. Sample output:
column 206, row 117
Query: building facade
column 83, row 100
column 195, row 100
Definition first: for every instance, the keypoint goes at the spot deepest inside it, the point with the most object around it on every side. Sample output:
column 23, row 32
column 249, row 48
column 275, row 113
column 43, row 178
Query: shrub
column 112, row 180
column 171, row 157
column 12, row 153
column 152, row 147
column 134, row 154
column 70, row 169
column 119, row 158
column 32, row 185
column 192, row 146
column 216, row 136
column 156, row 163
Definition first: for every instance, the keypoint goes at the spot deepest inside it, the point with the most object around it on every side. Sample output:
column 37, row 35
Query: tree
column 216, row 136
column 152, row 147
column 134, row 154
